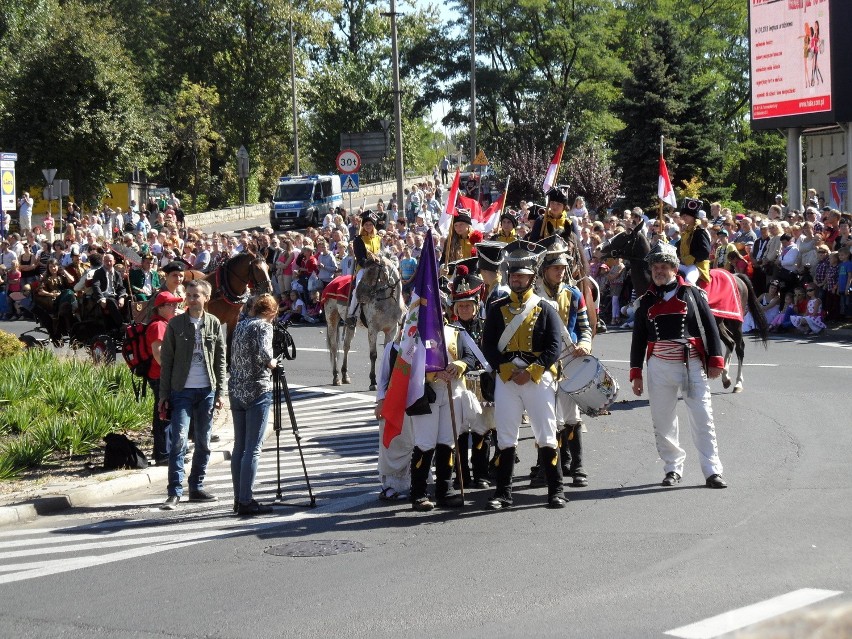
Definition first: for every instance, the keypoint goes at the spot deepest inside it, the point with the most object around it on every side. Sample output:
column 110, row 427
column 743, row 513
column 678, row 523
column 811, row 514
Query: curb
column 93, row 494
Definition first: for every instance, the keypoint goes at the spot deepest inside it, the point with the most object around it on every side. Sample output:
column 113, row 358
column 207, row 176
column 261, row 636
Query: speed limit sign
column 348, row 161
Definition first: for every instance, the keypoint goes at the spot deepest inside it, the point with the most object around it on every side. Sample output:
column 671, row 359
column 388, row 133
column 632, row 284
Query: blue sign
column 349, row 183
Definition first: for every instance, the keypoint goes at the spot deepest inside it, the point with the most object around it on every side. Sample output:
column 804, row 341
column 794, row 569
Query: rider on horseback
column 367, row 247
column 695, row 247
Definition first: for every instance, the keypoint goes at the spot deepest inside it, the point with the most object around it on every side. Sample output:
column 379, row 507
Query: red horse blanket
column 337, row 289
column 723, row 294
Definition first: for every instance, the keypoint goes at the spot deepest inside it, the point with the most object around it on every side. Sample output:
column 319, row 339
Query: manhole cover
column 315, row 548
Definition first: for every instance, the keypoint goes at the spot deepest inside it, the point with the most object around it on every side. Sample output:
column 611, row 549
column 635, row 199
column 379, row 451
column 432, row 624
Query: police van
column 304, row 200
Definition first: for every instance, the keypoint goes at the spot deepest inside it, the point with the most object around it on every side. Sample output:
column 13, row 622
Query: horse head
column 380, row 281
column 628, row 245
column 259, row 276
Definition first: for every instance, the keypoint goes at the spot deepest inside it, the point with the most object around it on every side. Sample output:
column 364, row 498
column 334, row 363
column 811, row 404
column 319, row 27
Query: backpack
column 120, row 452
column 135, row 349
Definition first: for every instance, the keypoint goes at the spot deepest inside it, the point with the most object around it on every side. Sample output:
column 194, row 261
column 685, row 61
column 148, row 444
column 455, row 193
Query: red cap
column 166, row 298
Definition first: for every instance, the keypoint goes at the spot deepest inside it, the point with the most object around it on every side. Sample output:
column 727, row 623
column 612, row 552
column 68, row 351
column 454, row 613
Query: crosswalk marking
column 339, row 437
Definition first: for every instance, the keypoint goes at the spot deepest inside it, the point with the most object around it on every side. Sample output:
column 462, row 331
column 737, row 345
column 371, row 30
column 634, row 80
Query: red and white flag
column 491, row 215
column 449, row 211
column 664, row 188
column 553, row 170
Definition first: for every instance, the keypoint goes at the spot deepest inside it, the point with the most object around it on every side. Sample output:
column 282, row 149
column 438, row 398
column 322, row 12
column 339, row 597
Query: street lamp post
column 472, row 80
column 296, row 169
column 397, row 101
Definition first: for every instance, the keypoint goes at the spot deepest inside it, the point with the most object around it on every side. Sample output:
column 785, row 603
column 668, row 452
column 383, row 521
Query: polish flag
column 553, row 170
column 664, row 187
column 449, row 211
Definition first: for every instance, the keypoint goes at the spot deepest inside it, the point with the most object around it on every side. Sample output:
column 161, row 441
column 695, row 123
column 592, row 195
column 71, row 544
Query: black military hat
column 556, row 251
column 470, row 263
column 368, row 216
column 524, row 257
column 462, row 215
column 174, row 267
column 465, row 285
column 506, row 215
column 693, row 207
column 557, row 195
column 490, row 255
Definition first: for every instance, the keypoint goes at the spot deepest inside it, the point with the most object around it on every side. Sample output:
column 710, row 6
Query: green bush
column 52, row 407
column 9, row 345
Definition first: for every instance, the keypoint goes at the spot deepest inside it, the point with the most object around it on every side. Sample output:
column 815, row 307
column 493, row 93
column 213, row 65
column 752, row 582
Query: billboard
column 799, row 76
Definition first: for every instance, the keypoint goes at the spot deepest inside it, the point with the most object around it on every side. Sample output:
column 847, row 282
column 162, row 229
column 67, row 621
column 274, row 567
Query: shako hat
column 490, row 255
column 462, row 215
column 368, row 216
column 470, row 263
column 506, row 215
column 174, row 267
column 524, row 257
column 465, row 285
column 556, row 251
column 693, row 207
column 663, row 252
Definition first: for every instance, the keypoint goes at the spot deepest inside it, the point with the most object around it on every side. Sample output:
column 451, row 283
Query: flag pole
column 505, row 196
column 662, row 233
column 456, row 439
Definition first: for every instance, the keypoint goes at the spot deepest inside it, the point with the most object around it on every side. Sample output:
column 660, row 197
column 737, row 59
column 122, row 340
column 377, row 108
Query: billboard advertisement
column 790, row 59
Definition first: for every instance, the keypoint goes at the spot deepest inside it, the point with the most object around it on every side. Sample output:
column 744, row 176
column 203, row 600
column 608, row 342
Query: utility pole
column 472, row 80
column 397, row 103
column 296, row 170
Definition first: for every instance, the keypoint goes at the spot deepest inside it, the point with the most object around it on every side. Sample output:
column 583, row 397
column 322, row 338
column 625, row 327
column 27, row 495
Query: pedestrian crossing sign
column 350, row 183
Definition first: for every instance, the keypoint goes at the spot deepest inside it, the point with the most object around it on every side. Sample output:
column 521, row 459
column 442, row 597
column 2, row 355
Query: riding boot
column 564, row 449
column 445, row 496
column 538, row 478
column 505, row 466
column 461, row 450
column 421, row 461
column 575, row 446
column 548, row 458
column 479, row 461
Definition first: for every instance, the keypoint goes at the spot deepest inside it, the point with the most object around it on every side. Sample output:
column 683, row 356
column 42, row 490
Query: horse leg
column 739, row 341
column 728, row 342
column 331, row 340
column 350, row 333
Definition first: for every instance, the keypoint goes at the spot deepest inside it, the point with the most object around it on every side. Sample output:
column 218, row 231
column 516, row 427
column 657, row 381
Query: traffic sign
column 243, row 163
column 350, row 183
column 348, row 161
column 48, row 174
column 480, row 160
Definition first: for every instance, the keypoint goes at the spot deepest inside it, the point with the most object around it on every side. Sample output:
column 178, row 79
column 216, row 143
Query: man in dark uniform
column 695, row 246
column 556, row 220
column 675, row 332
column 522, row 340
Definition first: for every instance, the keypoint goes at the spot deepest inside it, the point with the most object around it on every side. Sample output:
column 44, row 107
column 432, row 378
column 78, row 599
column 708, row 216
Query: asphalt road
column 626, row 558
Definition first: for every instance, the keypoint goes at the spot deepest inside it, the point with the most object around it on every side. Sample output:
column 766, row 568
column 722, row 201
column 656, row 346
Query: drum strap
column 516, row 322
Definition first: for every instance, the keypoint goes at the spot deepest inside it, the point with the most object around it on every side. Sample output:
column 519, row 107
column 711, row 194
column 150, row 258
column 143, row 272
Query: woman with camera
column 250, row 394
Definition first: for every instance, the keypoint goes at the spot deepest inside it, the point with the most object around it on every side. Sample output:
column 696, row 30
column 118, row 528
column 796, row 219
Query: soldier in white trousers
column 675, row 332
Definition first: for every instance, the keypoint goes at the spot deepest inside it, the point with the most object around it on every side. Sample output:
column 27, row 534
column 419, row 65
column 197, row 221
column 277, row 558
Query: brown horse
column 634, row 247
column 232, row 283
column 381, row 308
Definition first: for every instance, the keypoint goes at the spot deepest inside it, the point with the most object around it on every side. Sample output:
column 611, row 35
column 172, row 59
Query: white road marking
column 309, row 349
column 748, row 615
column 834, row 366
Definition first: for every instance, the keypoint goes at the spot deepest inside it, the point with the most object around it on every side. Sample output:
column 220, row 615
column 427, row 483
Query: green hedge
column 52, row 408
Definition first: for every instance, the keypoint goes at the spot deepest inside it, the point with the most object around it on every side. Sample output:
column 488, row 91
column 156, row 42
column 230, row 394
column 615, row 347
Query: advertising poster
column 790, row 58
column 837, row 199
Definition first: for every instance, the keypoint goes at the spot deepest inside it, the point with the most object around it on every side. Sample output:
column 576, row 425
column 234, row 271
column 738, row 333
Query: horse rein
column 390, row 286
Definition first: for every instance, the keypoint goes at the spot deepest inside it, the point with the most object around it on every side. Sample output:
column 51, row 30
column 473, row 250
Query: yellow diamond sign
column 481, row 160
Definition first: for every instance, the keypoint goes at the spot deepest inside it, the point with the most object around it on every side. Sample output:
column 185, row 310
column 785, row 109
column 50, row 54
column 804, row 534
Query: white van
column 304, row 200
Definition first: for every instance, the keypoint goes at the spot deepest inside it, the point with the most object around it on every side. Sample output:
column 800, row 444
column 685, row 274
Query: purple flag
column 430, row 324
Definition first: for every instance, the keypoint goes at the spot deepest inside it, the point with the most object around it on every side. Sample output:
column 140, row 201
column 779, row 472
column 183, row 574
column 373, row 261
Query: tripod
column 279, row 390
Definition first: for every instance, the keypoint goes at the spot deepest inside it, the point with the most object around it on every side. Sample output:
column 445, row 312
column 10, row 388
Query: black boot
column 564, row 449
column 462, row 446
column 575, row 446
column 420, row 464
column 444, row 493
column 538, row 478
column 548, row 458
column 504, row 465
column 479, row 461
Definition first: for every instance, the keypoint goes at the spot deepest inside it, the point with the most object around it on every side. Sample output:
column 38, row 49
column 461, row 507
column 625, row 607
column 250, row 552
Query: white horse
column 380, row 306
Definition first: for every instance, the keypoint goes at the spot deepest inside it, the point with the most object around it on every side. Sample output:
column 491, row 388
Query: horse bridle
column 228, row 293
column 389, row 287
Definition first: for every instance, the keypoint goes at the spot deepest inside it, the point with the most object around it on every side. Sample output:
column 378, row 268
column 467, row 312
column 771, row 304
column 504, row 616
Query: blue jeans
column 249, row 426
column 159, row 427
column 194, row 404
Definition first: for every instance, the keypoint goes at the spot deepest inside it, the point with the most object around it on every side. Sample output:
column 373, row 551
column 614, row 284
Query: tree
column 590, row 173
column 75, row 106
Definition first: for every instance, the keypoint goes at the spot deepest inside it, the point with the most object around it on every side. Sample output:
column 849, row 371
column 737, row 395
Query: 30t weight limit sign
column 348, row 161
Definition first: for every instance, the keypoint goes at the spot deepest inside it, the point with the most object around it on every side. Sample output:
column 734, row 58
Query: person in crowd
column 844, row 282
column 673, row 329
column 250, row 395
column 192, row 379
column 770, row 302
column 165, row 308
column 810, row 322
column 108, row 290
column 508, row 226
column 144, row 281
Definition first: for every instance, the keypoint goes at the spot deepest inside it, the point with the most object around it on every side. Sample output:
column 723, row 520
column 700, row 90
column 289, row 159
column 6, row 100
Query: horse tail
column 756, row 310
